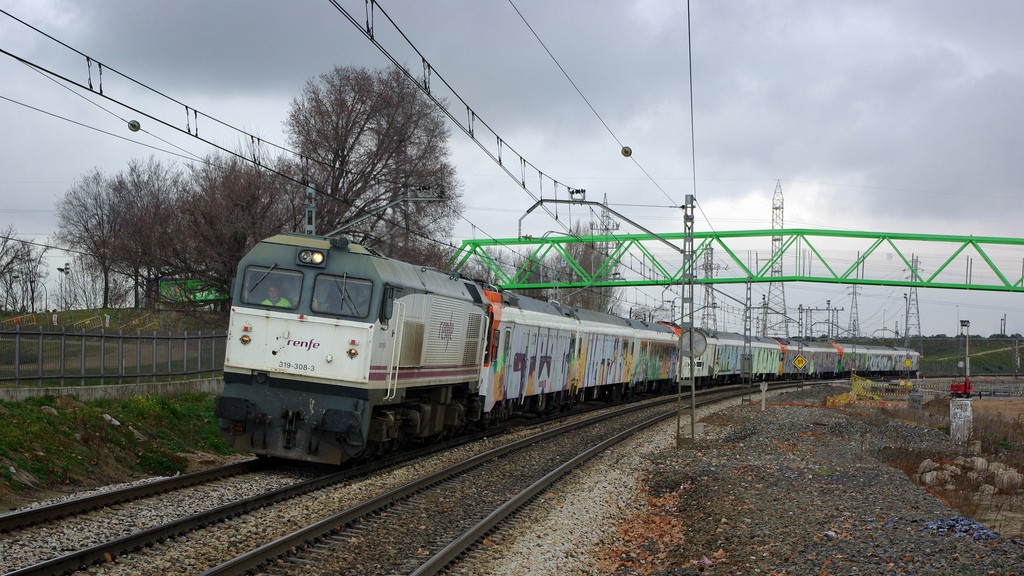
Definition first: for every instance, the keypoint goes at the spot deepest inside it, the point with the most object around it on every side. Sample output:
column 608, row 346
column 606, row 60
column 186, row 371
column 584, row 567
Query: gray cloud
column 901, row 113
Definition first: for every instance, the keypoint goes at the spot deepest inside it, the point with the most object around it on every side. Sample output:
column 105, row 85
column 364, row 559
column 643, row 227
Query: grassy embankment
column 52, row 444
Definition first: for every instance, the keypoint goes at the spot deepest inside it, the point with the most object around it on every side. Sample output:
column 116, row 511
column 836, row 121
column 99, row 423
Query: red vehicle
column 960, row 389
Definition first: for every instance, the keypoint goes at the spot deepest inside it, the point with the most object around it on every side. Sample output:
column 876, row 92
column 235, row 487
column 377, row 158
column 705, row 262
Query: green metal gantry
column 810, row 255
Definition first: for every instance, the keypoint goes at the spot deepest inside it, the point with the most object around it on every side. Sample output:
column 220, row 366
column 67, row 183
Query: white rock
column 1008, row 481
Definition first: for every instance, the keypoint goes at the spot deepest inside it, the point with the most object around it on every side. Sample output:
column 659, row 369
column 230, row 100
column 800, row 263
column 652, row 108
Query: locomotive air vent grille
column 412, row 344
column 472, row 353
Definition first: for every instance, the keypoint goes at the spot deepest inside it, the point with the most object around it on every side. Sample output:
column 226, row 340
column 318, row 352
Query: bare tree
column 32, row 273
column 228, row 206
column 88, row 222
column 82, row 287
column 589, row 257
column 376, row 145
column 145, row 207
column 14, row 254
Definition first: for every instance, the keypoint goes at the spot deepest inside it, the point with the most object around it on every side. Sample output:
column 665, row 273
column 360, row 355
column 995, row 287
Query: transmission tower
column 854, row 326
column 776, row 320
column 912, row 323
column 709, row 320
column 605, row 225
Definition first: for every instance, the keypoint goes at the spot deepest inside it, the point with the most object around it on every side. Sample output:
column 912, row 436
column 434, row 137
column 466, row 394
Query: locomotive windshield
column 342, row 296
column 271, row 287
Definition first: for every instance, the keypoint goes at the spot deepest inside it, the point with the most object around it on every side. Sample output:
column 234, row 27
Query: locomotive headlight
column 314, row 257
column 245, row 339
column 352, row 352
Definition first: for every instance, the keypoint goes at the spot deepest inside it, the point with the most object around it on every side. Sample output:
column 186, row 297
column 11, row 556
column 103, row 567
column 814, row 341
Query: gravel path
column 792, row 490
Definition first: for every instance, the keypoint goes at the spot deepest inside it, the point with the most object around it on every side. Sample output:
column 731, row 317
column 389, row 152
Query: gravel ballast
column 796, row 489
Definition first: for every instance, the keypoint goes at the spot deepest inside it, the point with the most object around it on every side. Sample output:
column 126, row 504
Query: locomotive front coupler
column 291, row 418
column 262, row 419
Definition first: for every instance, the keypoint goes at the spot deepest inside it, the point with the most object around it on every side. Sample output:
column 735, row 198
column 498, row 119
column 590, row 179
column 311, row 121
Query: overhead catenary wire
column 473, row 120
column 53, row 76
column 589, row 105
column 360, row 209
column 115, row 115
column 192, row 114
column 100, row 130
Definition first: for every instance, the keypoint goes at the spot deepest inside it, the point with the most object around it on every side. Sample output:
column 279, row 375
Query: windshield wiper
column 262, row 278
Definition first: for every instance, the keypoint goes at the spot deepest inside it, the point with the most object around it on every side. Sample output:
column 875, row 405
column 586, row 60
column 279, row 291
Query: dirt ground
column 1010, row 408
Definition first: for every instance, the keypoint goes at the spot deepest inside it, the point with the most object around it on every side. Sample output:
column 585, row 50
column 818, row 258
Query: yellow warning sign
column 799, row 362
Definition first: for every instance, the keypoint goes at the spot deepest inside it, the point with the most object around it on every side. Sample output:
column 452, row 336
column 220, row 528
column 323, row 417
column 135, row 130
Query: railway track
column 217, row 533
column 75, row 506
column 425, row 525
column 65, row 536
column 61, row 537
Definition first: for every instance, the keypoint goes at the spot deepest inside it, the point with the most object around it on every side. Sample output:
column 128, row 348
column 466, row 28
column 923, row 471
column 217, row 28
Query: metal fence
column 54, row 356
column 985, row 386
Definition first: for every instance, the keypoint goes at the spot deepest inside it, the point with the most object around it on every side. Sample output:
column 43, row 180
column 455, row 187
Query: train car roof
column 533, row 304
column 600, row 317
column 730, row 336
column 863, row 348
column 651, row 326
column 317, row 242
column 809, row 344
column 388, row 270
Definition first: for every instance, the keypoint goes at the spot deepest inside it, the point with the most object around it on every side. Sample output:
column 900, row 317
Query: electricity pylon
column 776, row 320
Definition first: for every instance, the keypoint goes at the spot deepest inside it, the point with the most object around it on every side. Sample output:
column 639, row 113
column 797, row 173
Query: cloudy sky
column 889, row 116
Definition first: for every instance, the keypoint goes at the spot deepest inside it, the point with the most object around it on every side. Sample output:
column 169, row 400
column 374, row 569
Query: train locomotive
column 336, row 353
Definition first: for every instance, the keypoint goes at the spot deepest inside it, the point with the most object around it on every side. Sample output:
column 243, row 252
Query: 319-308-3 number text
column 296, row 366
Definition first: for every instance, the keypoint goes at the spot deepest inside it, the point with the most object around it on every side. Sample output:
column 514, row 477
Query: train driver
column 274, row 297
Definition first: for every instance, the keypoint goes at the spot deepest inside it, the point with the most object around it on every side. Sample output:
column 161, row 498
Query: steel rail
column 257, row 557
column 57, row 510
column 459, row 546
column 450, row 553
column 105, row 551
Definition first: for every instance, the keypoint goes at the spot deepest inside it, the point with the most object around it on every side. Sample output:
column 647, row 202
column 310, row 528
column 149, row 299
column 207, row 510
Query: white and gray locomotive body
column 362, row 354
